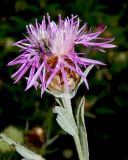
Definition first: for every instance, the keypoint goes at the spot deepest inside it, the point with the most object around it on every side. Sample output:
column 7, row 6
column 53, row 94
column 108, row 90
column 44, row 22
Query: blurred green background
column 28, row 119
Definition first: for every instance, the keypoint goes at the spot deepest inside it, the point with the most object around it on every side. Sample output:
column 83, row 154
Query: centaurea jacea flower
column 48, row 53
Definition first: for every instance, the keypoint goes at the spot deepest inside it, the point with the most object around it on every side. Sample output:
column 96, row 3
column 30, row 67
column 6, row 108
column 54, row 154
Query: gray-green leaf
column 82, row 128
column 23, row 151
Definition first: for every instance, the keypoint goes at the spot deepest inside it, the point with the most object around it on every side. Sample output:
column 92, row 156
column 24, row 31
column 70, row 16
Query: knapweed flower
column 48, row 54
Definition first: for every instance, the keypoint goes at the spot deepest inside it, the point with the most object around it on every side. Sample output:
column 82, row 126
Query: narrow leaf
column 24, row 152
column 82, row 128
column 65, row 120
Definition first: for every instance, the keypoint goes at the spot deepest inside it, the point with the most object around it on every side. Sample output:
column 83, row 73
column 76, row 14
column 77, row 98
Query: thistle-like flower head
column 48, row 54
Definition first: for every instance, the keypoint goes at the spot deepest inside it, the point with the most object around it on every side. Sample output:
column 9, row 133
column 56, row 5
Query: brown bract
column 57, row 83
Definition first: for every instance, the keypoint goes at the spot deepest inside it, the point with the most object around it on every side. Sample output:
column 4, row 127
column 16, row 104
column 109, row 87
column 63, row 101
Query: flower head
column 48, row 54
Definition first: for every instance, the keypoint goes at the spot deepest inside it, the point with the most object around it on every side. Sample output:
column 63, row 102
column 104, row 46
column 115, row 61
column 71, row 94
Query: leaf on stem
column 82, row 127
column 24, row 152
column 65, row 120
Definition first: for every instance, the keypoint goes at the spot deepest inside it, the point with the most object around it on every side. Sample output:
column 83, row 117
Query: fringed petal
column 35, row 77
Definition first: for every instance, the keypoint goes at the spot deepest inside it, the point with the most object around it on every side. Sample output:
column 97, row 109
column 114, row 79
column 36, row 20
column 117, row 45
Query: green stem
column 67, row 104
column 78, row 147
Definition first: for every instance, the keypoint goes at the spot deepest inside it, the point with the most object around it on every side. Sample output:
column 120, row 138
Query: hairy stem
column 67, row 105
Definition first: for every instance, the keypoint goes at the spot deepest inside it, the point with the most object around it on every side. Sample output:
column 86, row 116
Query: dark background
column 22, row 113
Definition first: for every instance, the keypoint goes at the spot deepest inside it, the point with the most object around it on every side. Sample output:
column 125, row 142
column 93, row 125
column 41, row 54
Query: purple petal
column 85, row 61
column 51, row 77
column 19, row 74
column 31, row 74
column 35, row 77
column 103, row 45
column 64, row 77
column 15, row 60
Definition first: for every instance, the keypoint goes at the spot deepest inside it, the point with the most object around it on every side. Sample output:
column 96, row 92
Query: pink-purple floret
column 55, row 39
